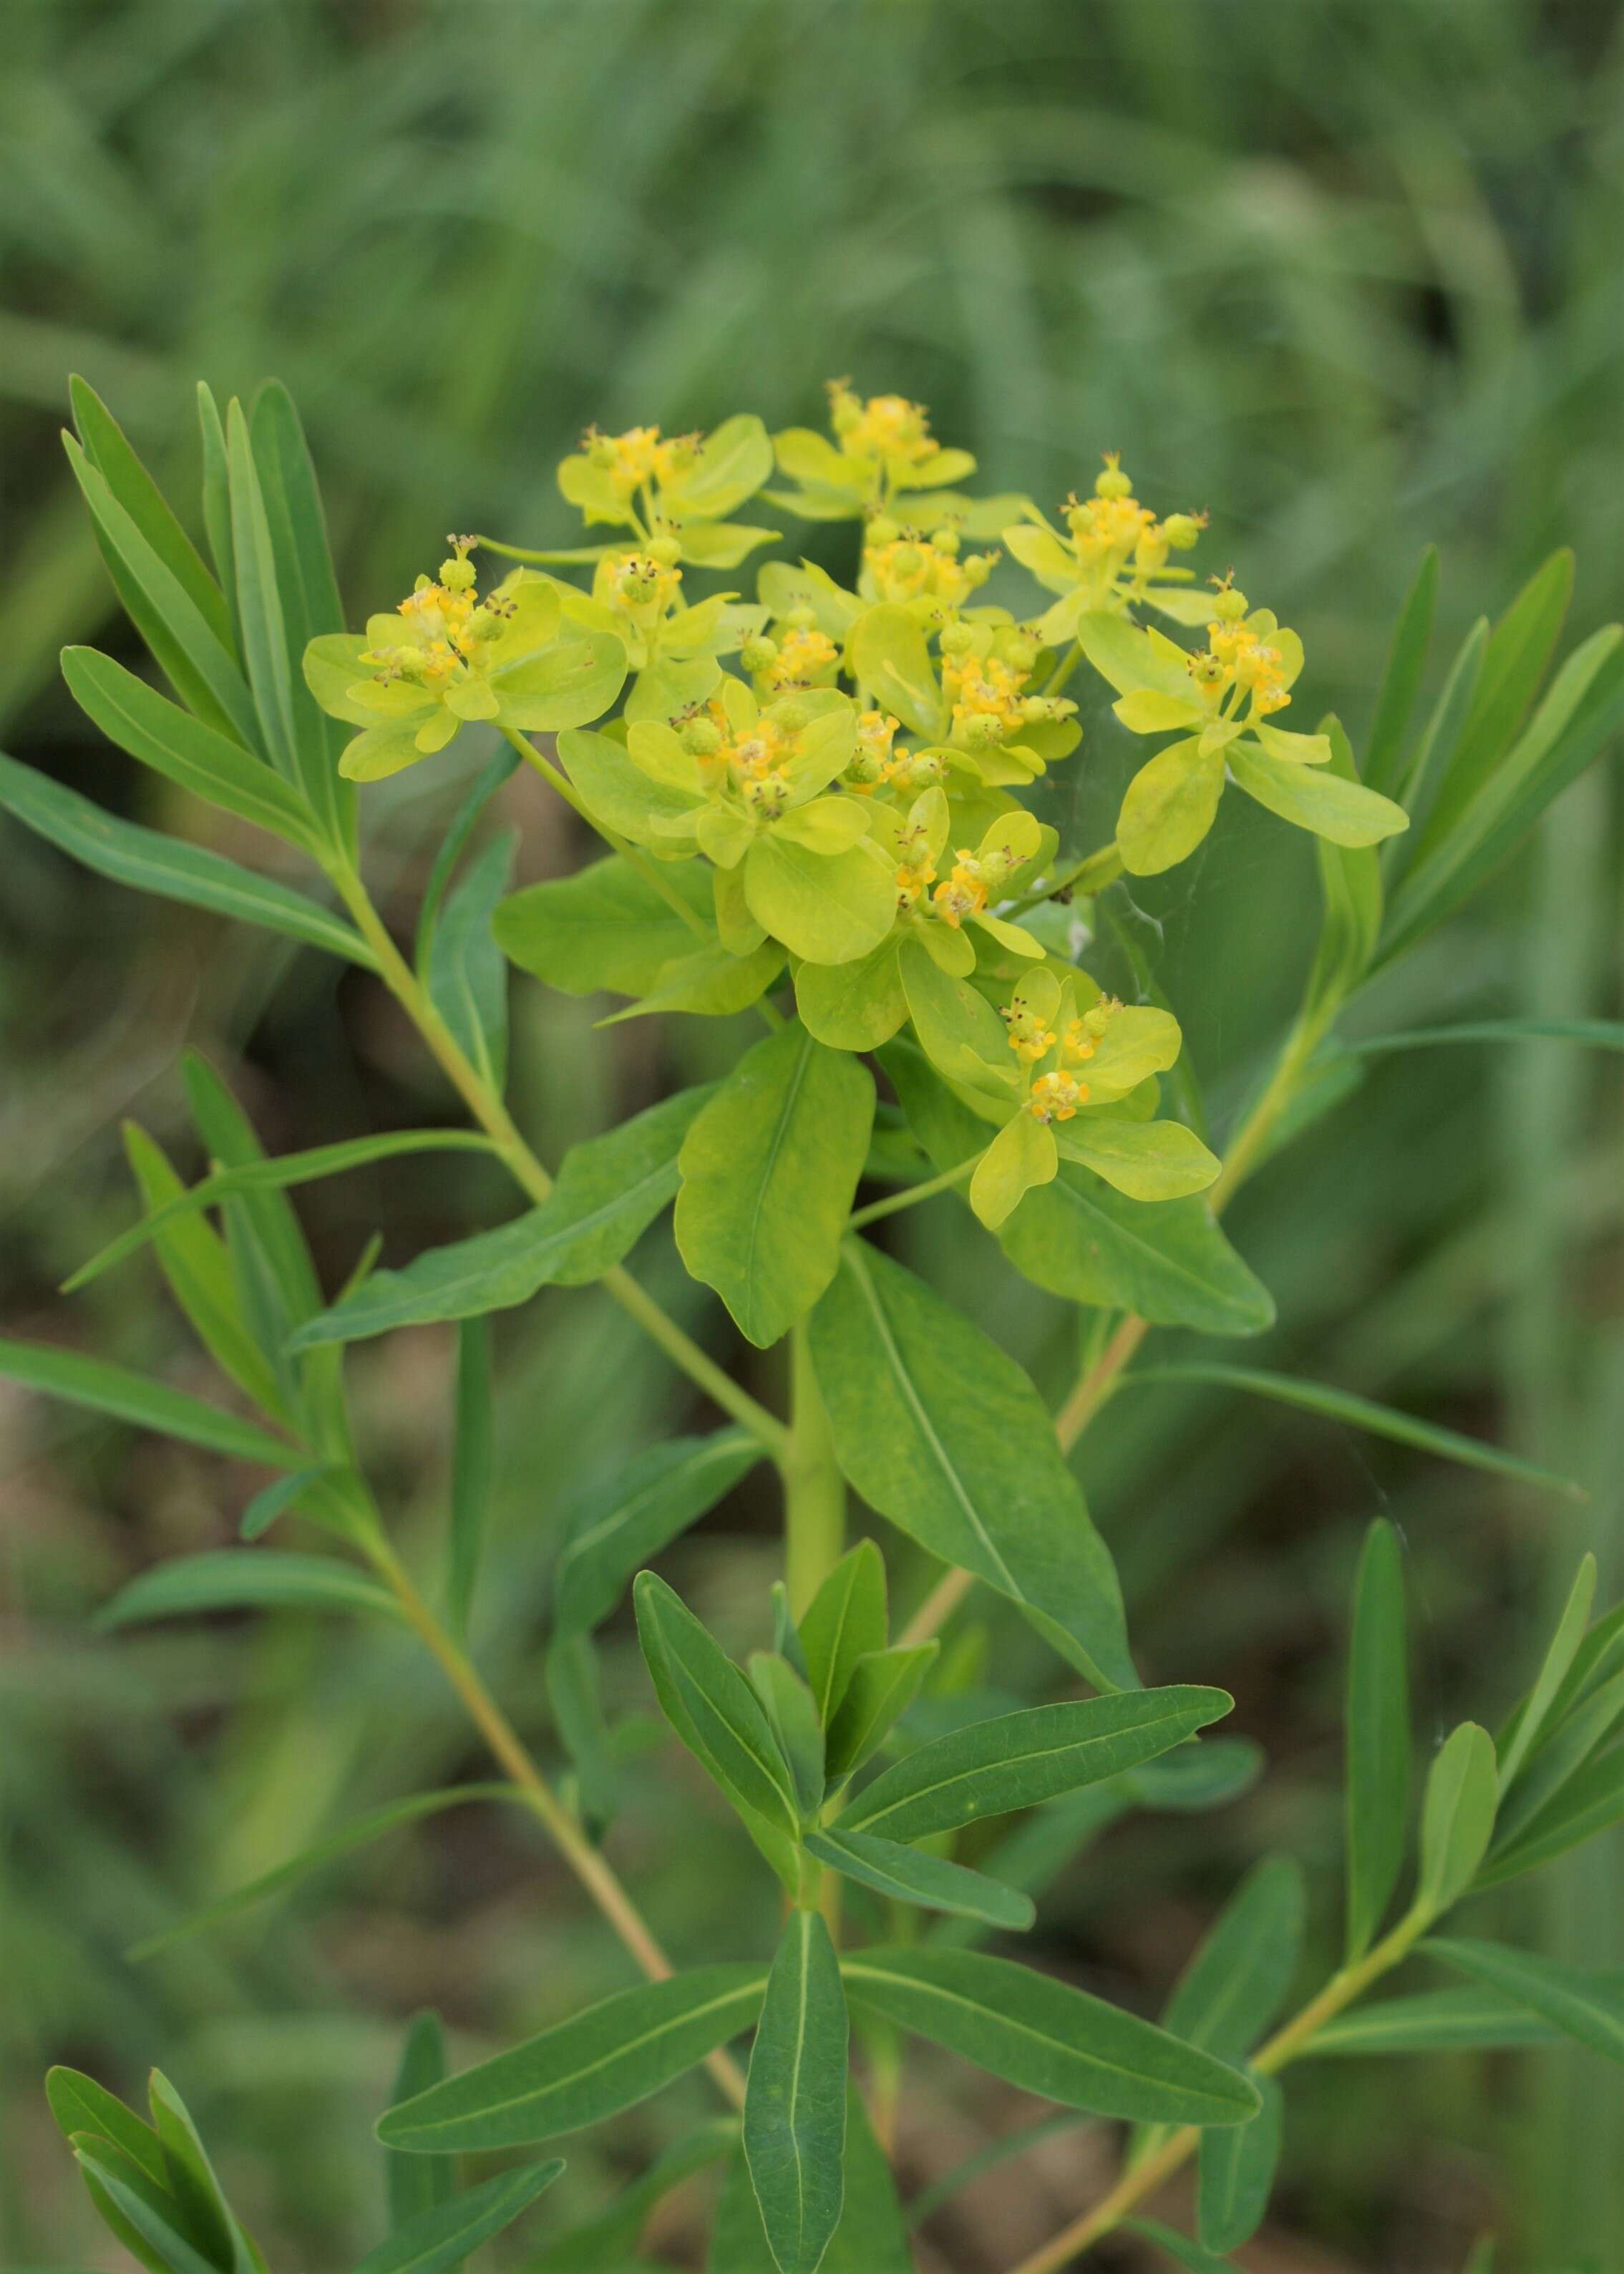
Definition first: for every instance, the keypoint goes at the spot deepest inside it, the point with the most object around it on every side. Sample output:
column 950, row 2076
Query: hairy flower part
column 1238, row 658
column 900, row 566
column 884, row 427
column 641, row 458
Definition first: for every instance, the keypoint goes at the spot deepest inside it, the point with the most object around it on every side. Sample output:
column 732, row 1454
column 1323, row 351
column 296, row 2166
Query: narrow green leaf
column 197, row 1266
column 1559, row 1658
column 871, row 2238
column 1238, row 1980
column 182, row 748
column 466, row 974
column 265, row 633
column 217, row 498
column 608, row 2058
column 1236, row 2174
column 711, row 1706
column 1595, row 1034
column 883, row 1685
column 609, row 1190
column 1457, row 1817
column 609, row 2239
column 574, row 1692
column 1434, row 2021
column 1016, row 1760
column 307, row 597
column 1590, row 1802
column 787, row 1702
column 770, row 1169
column 108, row 451
column 1432, row 754
column 942, row 1432
column 1514, row 663
column 1401, row 681
column 794, row 2109
column 500, row 769
column 192, row 2180
column 277, row 1498
column 1377, row 1739
column 614, row 1529
column 242, row 1580
column 906, row 1875
column 78, row 2104
column 1351, row 892
column 126, row 1396
column 1047, row 2038
column 846, row 1620
column 198, row 664
column 148, row 861
column 471, row 1470
column 415, row 2185
column 1569, row 1744
column 262, row 1175
column 439, row 2240
column 1587, row 2007
column 359, row 1833
column 148, row 2221
column 1364, row 1414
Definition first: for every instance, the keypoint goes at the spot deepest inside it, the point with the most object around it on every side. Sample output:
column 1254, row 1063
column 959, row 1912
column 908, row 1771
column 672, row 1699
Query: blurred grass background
column 1347, row 275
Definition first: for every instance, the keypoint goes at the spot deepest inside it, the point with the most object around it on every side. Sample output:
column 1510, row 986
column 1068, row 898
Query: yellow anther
column 961, row 895
column 885, row 427
column 801, row 656
column 1056, row 1098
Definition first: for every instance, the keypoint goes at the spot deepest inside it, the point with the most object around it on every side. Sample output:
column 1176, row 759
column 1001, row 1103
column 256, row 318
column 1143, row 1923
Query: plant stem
column 906, row 1199
column 1287, row 2045
column 814, row 1488
column 596, row 1875
column 493, row 1116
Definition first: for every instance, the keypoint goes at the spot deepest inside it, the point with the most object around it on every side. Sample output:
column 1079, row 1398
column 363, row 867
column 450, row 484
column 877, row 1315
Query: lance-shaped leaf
column 1467, row 2019
column 1047, row 2037
column 617, row 1526
column 1401, row 681
column 146, row 2218
column 592, row 2066
column 193, row 2181
column 245, row 1579
column 108, row 451
column 769, row 1169
column 1377, row 1738
column 1582, row 2005
column 127, row 1396
column 1457, row 1817
column 713, row 1707
column 942, row 1432
column 1235, row 1985
column 439, row 2240
column 1589, row 1801
column 1180, row 2249
column 931, row 1882
column 844, row 1621
column 78, row 2104
column 1316, row 798
column 795, row 2109
column 414, row 2185
column 1237, row 2173
column 1532, row 1714
column 788, row 1704
column 149, row 861
column 182, row 748
column 609, row 1190
column 1017, row 1759
column 871, row 2238
column 883, row 1685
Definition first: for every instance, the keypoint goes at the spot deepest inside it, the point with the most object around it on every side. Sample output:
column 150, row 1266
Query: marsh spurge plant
column 818, row 804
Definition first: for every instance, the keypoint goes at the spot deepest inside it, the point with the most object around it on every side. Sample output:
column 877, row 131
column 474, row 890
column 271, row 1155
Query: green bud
column 1113, row 483
column 957, row 639
column 457, row 576
column 702, row 737
column 978, row 732
column 665, row 551
column 926, row 770
column 1229, row 606
column 1181, row 531
column 882, row 530
column 1016, row 649
column 759, row 654
column 791, row 714
column 801, row 620
column 977, row 569
column 946, row 540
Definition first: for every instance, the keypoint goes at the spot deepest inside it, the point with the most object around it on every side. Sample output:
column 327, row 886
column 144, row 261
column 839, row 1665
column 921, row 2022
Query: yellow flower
column 962, row 892
column 1056, row 1098
column 805, row 658
column 638, row 459
column 886, row 426
column 902, row 568
column 986, row 699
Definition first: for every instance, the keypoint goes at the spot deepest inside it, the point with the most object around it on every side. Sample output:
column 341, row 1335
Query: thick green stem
column 813, row 1488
